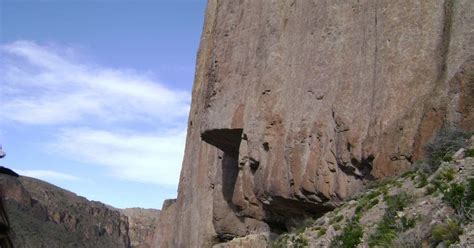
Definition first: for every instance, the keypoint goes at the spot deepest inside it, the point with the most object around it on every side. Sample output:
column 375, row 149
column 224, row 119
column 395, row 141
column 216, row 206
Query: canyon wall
column 142, row 225
column 43, row 215
column 297, row 104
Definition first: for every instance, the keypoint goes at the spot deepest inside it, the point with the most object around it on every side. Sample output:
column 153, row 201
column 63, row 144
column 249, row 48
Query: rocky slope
column 298, row 104
column 414, row 210
column 43, row 215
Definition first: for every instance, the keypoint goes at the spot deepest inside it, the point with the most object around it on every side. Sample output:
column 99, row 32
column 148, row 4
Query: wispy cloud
column 151, row 158
column 48, row 175
column 93, row 113
column 45, row 85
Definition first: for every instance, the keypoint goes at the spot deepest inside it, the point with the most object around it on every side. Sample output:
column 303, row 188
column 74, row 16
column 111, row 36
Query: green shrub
column 350, row 237
column 299, row 241
column 368, row 201
column 398, row 202
column 469, row 198
column 336, row 219
column 461, row 198
column 441, row 148
column 398, row 183
column 469, row 153
column 373, row 203
column 286, row 240
column 407, row 223
column 385, row 232
column 467, row 210
column 444, row 176
column 447, row 174
column 281, row 242
column 380, row 184
column 454, row 195
column 388, row 228
column 422, row 180
column 408, row 173
column 447, row 232
column 321, row 232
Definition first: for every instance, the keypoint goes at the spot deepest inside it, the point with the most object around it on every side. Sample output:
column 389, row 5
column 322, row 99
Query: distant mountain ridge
column 44, row 215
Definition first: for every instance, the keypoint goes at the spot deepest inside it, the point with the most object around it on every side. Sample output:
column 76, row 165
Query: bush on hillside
column 441, row 148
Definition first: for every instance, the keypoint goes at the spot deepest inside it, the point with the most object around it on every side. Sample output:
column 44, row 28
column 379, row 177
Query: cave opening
column 285, row 215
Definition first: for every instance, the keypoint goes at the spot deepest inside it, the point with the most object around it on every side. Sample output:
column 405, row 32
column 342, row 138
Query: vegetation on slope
column 431, row 205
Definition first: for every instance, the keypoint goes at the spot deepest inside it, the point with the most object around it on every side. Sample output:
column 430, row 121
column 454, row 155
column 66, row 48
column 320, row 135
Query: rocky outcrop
column 142, row 226
column 298, row 104
column 409, row 211
column 43, row 215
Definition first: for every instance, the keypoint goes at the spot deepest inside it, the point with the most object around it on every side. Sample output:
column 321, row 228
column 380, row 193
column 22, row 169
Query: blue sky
column 95, row 94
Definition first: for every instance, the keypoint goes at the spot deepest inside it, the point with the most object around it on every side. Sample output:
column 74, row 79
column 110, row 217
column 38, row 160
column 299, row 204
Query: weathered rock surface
column 424, row 208
column 142, row 226
column 166, row 224
column 252, row 240
column 297, row 104
column 43, row 215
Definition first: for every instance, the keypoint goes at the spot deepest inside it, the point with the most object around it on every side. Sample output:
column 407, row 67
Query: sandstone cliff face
column 43, row 215
column 296, row 104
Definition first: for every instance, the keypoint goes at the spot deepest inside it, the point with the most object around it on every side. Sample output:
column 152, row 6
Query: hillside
column 43, row 215
column 417, row 209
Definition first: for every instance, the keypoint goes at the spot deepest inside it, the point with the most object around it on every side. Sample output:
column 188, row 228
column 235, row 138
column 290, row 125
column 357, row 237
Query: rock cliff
column 142, row 226
column 298, row 104
column 43, row 215
column 413, row 210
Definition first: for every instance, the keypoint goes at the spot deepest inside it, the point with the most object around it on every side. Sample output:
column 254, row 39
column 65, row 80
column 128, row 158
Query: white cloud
column 45, row 85
column 94, row 114
column 47, row 175
column 151, row 158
